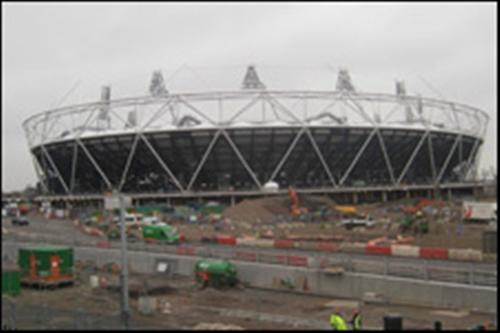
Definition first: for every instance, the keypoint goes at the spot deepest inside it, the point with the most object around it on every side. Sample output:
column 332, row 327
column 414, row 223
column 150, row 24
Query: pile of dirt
column 258, row 210
column 270, row 209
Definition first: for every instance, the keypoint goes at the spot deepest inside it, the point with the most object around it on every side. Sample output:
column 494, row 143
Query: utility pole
column 125, row 312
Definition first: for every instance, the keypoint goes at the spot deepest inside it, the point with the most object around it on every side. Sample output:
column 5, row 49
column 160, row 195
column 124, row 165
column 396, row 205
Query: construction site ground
column 270, row 217
column 187, row 307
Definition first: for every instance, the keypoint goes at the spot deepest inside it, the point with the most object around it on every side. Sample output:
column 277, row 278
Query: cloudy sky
column 447, row 50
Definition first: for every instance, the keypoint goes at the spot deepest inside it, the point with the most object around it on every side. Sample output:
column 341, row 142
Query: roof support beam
column 448, row 158
column 203, row 160
column 58, row 174
column 94, row 163
column 73, row 167
column 412, row 157
column 320, row 156
column 357, row 157
column 284, row 158
column 162, row 163
column 431, row 158
column 471, row 155
column 242, row 159
column 39, row 173
column 128, row 163
column 386, row 156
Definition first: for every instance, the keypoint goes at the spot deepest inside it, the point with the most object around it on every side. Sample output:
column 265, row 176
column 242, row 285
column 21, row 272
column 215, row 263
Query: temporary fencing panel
column 376, row 249
column 405, row 250
column 433, row 253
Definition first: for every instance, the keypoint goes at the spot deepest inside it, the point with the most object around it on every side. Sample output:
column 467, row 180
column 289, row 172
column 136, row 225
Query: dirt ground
column 270, row 217
column 246, row 308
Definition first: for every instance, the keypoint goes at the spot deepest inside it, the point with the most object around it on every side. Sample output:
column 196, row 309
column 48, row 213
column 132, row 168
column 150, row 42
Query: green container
column 43, row 256
column 220, row 272
column 11, row 281
column 160, row 232
column 212, row 209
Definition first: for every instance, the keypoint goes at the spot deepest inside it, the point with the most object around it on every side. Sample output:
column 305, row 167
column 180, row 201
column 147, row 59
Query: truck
column 160, row 233
column 479, row 211
column 215, row 273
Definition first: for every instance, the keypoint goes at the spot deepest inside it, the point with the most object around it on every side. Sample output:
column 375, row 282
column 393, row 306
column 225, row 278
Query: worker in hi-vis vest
column 337, row 322
column 356, row 321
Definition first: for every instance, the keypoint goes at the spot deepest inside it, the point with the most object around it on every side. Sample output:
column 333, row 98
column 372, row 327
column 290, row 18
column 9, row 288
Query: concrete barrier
column 405, row 250
column 284, row 243
column 465, row 254
column 433, row 253
column 352, row 247
column 263, row 243
column 225, row 240
column 300, row 261
column 306, row 245
column 377, row 249
column 326, row 246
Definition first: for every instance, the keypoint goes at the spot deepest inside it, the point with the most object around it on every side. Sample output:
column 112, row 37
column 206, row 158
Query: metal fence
column 44, row 317
column 389, row 266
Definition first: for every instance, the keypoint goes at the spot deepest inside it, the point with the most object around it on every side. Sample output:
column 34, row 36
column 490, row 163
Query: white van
column 133, row 219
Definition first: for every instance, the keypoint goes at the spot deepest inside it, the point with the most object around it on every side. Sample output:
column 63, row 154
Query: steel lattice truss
column 241, row 140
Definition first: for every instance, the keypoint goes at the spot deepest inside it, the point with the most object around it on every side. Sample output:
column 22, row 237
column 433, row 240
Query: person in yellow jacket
column 356, row 321
column 337, row 322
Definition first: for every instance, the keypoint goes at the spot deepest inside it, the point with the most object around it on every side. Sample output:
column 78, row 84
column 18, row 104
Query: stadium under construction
column 257, row 141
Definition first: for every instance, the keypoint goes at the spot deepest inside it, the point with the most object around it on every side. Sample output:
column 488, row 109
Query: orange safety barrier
column 376, row 249
column 225, row 240
column 284, row 243
column 326, row 246
column 297, row 261
column 433, row 253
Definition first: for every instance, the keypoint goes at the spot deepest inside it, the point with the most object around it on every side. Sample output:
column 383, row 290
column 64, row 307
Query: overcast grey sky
column 47, row 48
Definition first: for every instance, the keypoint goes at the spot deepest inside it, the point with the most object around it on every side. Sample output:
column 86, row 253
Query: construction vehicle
column 420, row 205
column 215, row 273
column 295, row 208
column 160, row 233
column 347, row 210
column 133, row 234
column 479, row 211
column 416, row 224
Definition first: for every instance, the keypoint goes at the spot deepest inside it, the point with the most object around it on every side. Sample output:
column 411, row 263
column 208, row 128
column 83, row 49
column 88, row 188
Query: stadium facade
column 241, row 140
